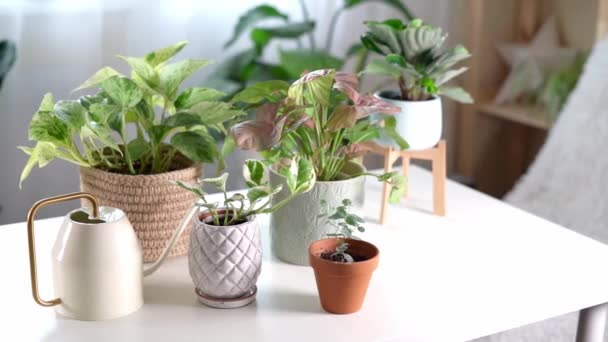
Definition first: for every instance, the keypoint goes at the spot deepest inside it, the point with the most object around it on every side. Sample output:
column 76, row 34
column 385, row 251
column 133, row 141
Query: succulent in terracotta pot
column 343, row 265
column 225, row 256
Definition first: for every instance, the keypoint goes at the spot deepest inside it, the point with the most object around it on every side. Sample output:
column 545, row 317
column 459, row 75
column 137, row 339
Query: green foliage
column 345, row 224
column 249, row 66
column 92, row 131
column 8, row 56
column 412, row 55
column 560, row 84
column 320, row 119
column 258, row 199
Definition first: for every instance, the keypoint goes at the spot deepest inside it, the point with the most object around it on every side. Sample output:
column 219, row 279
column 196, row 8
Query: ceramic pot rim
column 379, row 95
column 346, row 265
column 352, row 179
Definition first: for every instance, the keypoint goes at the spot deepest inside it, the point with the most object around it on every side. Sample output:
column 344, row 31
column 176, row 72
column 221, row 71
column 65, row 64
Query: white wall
column 60, row 43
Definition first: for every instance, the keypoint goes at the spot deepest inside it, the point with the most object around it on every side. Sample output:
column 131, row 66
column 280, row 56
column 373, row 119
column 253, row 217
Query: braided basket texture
column 154, row 206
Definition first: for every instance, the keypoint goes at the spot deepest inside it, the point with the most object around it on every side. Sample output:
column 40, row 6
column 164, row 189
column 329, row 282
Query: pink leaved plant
column 321, row 117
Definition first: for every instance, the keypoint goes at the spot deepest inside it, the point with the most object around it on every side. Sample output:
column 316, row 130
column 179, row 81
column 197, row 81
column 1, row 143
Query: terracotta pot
column 224, row 261
column 341, row 286
column 154, row 206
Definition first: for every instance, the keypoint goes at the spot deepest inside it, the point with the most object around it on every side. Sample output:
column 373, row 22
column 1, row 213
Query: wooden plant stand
column 437, row 156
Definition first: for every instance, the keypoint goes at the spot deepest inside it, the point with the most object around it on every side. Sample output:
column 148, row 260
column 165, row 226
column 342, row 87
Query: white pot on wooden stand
column 419, row 122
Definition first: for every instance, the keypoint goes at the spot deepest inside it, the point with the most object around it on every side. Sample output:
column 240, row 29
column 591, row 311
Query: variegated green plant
column 239, row 207
column 414, row 58
column 92, row 131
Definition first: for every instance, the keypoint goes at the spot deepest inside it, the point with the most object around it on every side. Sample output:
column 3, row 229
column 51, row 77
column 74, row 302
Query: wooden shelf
column 528, row 115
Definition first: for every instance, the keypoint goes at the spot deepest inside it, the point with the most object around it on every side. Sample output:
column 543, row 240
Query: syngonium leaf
column 172, row 75
column 299, row 175
column 260, row 91
column 343, row 116
column 122, row 91
column 196, row 146
column 255, row 173
column 98, row 78
column 193, row 96
column 318, row 84
column 253, row 16
column 159, row 56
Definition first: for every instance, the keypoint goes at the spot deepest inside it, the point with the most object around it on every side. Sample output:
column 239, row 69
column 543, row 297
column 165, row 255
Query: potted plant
column 343, row 265
column 321, row 118
column 225, row 257
column 414, row 59
column 172, row 136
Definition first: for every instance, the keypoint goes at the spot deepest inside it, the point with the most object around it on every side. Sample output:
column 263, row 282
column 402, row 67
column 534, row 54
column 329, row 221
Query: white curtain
column 62, row 42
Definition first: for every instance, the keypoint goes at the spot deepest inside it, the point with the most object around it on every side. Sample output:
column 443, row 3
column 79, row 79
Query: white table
column 485, row 268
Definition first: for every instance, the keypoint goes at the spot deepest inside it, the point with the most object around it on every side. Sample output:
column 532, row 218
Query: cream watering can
column 97, row 261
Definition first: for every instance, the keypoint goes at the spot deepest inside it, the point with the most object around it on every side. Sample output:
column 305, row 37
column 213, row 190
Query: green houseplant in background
column 217, row 265
column 171, row 137
column 322, row 118
column 413, row 57
column 8, row 55
column 249, row 66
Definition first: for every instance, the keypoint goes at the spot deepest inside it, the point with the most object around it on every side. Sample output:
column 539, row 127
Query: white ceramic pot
column 297, row 224
column 419, row 122
column 97, row 264
column 224, row 261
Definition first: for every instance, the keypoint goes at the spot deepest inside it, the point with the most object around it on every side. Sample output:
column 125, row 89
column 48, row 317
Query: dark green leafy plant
column 258, row 199
column 321, row 117
column 559, row 85
column 249, row 66
column 345, row 224
column 413, row 57
column 168, row 123
column 8, row 55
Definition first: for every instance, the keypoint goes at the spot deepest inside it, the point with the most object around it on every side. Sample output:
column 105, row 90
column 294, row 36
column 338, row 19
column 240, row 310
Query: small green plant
column 92, row 131
column 239, row 207
column 413, row 57
column 559, row 85
column 266, row 24
column 346, row 224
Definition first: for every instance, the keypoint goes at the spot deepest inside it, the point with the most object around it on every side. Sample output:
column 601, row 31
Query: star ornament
column 530, row 63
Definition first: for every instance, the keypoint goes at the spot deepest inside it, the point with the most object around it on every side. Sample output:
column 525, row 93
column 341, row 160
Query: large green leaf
column 122, row 91
column 47, row 127
column 253, row 16
column 192, row 96
column 144, row 70
column 260, row 91
column 98, row 78
column 195, row 146
column 397, row 4
column 172, row 75
column 213, row 113
column 456, row 94
column 382, row 68
column 71, row 112
column 295, row 62
column 262, row 36
column 162, row 55
column 183, row 119
column 102, row 113
column 255, row 173
column 42, row 154
column 417, row 40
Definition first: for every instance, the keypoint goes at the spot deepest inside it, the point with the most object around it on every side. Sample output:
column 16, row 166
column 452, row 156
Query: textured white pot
column 297, row 224
column 419, row 122
column 225, row 261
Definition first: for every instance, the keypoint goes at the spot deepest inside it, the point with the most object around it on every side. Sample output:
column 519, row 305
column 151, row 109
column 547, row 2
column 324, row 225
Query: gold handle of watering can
column 31, row 215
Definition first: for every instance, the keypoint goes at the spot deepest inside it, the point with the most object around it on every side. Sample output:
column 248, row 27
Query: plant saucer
column 227, row 303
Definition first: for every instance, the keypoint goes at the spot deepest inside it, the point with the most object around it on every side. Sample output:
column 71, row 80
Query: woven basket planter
column 154, row 206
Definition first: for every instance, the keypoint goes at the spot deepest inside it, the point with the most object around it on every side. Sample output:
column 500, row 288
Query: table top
column 484, row 268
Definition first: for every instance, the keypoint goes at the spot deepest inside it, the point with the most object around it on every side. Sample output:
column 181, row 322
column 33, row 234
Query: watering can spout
column 183, row 224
